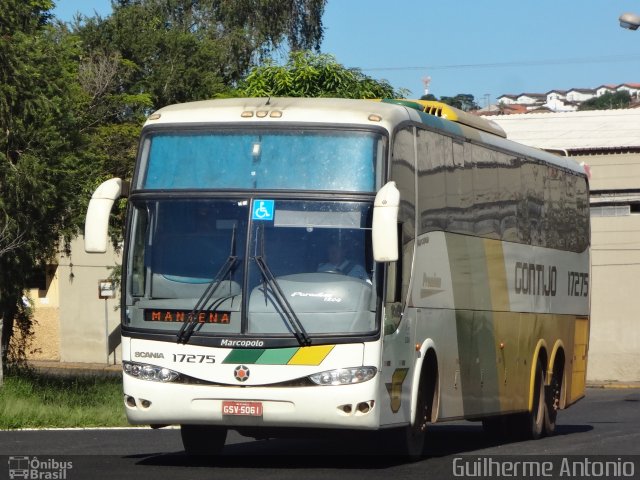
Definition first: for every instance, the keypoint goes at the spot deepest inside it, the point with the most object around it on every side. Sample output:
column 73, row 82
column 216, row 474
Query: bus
column 347, row 265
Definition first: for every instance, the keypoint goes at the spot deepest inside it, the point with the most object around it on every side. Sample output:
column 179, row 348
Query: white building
column 507, row 99
column 580, row 94
column 567, row 100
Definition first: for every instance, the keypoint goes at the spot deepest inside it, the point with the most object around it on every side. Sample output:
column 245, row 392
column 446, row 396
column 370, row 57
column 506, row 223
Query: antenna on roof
column 426, row 81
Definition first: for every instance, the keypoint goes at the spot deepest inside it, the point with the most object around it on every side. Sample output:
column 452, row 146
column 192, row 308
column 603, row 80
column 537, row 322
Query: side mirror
column 384, row 230
column 96, row 225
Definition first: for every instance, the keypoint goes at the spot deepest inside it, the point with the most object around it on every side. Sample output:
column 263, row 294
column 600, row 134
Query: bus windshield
column 342, row 160
column 317, row 254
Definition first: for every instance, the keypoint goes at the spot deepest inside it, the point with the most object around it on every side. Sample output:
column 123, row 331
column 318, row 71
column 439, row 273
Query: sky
column 484, row 48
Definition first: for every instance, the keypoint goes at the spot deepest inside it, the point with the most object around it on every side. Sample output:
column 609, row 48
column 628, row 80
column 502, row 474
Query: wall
column 45, row 341
column 84, row 318
column 614, row 172
column 614, row 350
column 615, row 269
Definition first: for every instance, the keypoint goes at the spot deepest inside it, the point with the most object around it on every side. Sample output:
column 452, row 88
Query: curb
column 614, row 385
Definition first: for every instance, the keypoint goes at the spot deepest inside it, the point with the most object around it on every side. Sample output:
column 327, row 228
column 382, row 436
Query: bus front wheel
column 410, row 440
column 203, row 439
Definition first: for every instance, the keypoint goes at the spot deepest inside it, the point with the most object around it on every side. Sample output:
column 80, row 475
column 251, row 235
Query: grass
column 29, row 399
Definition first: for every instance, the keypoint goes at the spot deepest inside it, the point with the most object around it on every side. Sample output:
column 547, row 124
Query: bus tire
column 552, row 402
column 530, row 425
column 203, row 439
column 409, row 442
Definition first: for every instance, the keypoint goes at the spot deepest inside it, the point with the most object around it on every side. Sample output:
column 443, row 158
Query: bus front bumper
column 342, row 406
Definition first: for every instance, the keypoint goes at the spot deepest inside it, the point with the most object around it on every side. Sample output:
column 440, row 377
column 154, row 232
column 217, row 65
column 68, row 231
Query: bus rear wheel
column 203, row 439
column 552, row 402
column 531, row 424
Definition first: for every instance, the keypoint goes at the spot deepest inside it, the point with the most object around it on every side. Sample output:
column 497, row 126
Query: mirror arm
column 96, row 225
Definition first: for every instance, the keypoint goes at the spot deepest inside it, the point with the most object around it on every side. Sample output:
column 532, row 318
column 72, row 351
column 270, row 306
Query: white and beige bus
column 295, row 264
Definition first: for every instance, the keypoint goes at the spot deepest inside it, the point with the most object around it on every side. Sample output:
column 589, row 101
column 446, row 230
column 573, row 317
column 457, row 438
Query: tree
column 607, row 101
column 72, row 102
column 314, row 75
column 38, row 138
column 429, row 97
column 151, row 53
column 463, row 101
column 183, row 50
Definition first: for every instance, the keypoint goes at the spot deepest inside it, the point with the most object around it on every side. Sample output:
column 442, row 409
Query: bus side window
column 403, row 172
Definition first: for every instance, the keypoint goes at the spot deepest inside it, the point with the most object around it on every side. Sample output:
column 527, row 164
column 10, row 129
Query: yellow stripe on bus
column 497, row 275
column 311, row 355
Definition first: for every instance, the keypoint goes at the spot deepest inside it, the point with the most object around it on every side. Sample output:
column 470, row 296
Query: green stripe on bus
column 277, row 356
column 244, row 355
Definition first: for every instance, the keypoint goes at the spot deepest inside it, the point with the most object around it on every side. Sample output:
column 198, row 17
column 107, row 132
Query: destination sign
column 166, row 315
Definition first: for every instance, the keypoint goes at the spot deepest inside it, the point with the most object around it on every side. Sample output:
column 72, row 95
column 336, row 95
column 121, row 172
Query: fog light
column 346, row 408
column 365, row 407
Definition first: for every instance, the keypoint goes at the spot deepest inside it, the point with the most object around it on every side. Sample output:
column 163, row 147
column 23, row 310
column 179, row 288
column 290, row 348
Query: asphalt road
column 606, row 422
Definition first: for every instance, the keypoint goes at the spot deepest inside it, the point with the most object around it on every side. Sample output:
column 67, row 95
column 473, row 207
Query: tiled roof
column 533, row 95
column 583, row 90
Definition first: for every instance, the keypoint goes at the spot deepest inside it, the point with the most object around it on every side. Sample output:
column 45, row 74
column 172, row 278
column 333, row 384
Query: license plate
column 250, row 409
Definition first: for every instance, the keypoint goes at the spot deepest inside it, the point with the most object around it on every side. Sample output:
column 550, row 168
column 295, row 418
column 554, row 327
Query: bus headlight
column 149, row 372
column 344, row 376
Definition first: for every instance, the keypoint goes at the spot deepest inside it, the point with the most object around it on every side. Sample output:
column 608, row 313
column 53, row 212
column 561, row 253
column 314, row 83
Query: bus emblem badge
column 241, row 373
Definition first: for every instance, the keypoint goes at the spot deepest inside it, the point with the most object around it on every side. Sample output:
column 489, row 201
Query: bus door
column 398, row 326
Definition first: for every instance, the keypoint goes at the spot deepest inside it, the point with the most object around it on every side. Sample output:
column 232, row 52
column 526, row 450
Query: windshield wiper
column 191, row 322
column 288, row 314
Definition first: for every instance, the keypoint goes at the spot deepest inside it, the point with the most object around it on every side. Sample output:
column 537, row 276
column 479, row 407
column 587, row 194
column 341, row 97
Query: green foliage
column 73, row 99
column 307, row 74
column 38, row 140
column 36, row 400
column 607, row 101
column 463, row 101
column 186, row 50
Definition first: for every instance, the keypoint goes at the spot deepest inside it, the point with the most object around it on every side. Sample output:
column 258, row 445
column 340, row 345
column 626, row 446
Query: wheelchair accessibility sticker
column 263, row 210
